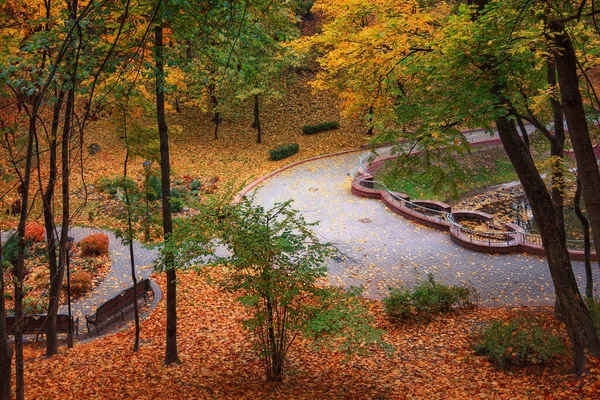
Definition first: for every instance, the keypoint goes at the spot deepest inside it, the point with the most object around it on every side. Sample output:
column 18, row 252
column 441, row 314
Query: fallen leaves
column 433, row 361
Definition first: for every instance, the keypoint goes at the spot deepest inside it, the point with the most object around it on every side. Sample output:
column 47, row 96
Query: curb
column 242, row 193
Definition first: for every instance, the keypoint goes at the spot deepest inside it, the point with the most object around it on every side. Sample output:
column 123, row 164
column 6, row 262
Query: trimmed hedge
column 325, row 126
column 283, row 151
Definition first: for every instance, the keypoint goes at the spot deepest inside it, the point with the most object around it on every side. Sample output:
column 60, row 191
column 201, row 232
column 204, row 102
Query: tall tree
column 486, row 50
column 567, row 66
column 171, row 355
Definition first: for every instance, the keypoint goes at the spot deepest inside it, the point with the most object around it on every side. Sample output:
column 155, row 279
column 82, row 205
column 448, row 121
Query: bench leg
column 97, row 331
column 88, row 326
column 122, row 315
column 146, row 298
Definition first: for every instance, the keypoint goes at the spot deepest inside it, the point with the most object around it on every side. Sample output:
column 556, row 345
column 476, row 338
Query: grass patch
column 420, row 178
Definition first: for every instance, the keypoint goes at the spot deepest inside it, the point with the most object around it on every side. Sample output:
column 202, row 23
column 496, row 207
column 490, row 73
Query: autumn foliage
column 81, row 281
column 433, row 361
column 35, row 233
column 94, row 245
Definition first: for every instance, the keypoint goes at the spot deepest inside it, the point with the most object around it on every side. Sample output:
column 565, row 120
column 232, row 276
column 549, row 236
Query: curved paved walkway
column 382, row 249
column 119, row 277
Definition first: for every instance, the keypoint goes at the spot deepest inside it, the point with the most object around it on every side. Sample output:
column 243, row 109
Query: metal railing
column 429, row 213
column 497, row 238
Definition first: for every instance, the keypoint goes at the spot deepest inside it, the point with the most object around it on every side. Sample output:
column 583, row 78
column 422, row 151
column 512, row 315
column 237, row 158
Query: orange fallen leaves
column 431, row 361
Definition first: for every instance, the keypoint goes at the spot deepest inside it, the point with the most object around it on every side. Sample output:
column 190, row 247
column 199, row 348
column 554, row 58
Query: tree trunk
column 557, row 145
column 55, row 277
column 136, row 316
column 587, row 167
column 587, row 246
column 20, row 268
column 5, row 350
column 578, row 322
column 214, row 101
column 257, row 120
column 171, row 351
column 370, row 115
column 65, row 171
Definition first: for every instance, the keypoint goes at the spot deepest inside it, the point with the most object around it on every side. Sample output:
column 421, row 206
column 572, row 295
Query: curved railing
column 493, row 239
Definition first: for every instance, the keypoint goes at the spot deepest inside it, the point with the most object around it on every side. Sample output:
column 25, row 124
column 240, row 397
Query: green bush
column 398, row 304
column 325, row 126
column 176, row 200
column 32, row 305
column 154, row 189
column 10, row 251
column 426, row 299
column 283, row 151
column 195, row 185
column 112, row 185
column 521, row 341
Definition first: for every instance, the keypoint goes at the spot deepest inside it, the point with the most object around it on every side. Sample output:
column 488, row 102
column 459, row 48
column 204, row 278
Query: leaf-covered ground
column 235, row 156
column 433, row 361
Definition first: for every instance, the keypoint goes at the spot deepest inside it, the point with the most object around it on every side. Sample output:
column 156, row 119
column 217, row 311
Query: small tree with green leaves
column 277, row 267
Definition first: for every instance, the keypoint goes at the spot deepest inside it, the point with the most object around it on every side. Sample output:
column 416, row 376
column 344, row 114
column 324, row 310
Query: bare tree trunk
column 578, row 322
column 5, row 350
column 587, row 246
column 55, row 276
column 257, row 120
column 171, row 355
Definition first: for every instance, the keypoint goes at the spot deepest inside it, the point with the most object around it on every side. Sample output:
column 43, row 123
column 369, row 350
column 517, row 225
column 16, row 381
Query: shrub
column 154, row 189
column 195, row 185
column 427, row 298
column 325, row 126
column 398, row 304
column 176, row 200
column 523, row 340
column 112, row 185
column 283, row 151
column 106, row 185
column 81, row 281
column 34, row 305
column 10, row 251
column 281, row 291
column 94, row 245
column 35, row 233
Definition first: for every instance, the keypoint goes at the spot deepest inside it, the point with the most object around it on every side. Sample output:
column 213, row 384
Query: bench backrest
column 37, row 323
column 122, row 300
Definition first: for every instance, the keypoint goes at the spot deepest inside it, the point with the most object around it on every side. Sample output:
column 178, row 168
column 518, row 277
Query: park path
column 381, row 249
column 119, row 277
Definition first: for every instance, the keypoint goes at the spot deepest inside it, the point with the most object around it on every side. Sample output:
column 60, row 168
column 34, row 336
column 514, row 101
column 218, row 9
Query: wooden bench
column 36, row 324
column 118, row 304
